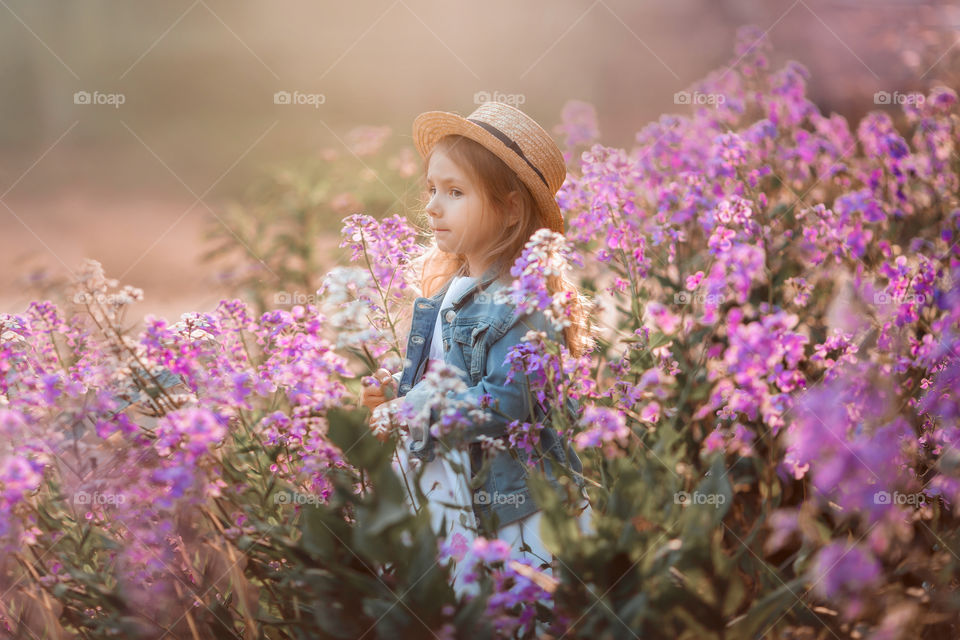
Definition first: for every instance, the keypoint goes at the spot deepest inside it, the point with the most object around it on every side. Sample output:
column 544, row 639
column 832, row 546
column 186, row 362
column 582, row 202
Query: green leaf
column 348, row 430
column 384, row 515
column 706, row 506
column 319, row 537
column 766, row 611
column 221, row 615
column 658, row 339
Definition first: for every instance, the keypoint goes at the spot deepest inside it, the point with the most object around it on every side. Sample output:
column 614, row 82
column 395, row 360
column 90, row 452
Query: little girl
column 492, row 179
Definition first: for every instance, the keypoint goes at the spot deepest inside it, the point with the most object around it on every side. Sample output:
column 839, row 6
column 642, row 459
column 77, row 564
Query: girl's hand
column 377, row 389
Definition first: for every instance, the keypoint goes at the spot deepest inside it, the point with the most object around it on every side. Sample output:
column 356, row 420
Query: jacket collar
column 482, row 283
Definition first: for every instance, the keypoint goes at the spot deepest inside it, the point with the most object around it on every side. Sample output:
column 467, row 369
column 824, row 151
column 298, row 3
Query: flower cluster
column 517, row 585
column 546, row 254
column 606, row 428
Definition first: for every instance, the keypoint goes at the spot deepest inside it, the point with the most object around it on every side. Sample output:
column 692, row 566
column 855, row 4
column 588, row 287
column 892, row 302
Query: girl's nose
column 432, row 207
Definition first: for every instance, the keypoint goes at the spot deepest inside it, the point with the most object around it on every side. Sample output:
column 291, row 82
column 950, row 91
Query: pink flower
column 714, row 441
column 650, row 413
column 666, row 321
column 456, row 547
column 491, row 550
column 694, row 281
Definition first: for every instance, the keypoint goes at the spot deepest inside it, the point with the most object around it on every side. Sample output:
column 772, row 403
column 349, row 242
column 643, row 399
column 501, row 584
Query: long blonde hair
column 497, row 181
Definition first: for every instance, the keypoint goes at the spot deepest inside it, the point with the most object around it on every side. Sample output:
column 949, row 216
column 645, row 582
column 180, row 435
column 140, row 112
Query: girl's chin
column 443, row 241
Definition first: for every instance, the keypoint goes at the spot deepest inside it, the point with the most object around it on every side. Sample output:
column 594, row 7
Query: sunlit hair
column 496, row 181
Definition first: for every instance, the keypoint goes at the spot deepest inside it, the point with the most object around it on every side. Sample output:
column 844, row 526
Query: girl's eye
column 454, row 192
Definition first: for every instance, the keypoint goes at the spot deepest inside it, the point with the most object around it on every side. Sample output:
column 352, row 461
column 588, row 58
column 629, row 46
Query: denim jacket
column 478, row 330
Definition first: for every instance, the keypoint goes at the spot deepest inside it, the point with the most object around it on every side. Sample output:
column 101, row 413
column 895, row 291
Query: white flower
column 440, row 383
column 491, row 444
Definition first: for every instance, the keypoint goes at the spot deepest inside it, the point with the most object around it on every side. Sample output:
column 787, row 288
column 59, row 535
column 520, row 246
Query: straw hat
column 512, row 136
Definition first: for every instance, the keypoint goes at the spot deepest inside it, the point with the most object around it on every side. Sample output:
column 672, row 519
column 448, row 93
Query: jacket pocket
column 470, row 339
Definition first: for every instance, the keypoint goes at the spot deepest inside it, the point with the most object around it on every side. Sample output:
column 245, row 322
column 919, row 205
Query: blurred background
column 144, row 134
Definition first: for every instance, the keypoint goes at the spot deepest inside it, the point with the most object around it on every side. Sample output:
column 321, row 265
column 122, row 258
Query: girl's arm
column 511, row 400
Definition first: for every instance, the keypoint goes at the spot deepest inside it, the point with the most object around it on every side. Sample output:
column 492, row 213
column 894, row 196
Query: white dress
column 441, row 484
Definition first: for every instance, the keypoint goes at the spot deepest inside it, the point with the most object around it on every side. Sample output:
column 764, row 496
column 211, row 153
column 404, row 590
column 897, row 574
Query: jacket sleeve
column 508, row 400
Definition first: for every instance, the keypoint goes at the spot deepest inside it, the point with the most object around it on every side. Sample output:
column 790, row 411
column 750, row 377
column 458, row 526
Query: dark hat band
column 502, row 137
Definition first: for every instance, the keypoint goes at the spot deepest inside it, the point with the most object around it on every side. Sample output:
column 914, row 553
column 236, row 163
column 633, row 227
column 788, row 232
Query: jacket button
column 416, row 339
column 446, row 345
column 451, row 314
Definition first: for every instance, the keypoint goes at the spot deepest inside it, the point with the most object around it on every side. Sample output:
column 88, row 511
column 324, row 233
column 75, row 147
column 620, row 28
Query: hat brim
column 430, row 126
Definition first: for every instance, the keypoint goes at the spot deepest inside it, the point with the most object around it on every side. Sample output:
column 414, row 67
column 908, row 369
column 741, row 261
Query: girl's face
column 455, row 208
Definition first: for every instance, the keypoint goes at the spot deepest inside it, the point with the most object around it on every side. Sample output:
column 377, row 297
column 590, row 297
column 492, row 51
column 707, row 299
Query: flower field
column 768, row 420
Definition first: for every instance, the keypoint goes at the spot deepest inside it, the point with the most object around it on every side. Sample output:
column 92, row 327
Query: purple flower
column 579, row 123
column 603, row 427
column 845, row 573
column 388, row 246
column 19, row 475
column 176, row 480
column 191, row 431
